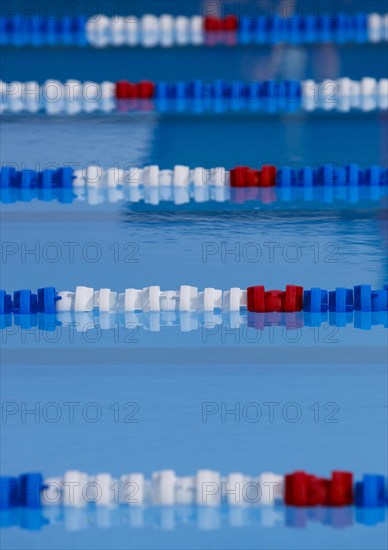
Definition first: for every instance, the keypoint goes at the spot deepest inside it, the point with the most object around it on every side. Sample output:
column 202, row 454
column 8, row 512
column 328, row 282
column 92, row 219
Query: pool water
column 153, row 386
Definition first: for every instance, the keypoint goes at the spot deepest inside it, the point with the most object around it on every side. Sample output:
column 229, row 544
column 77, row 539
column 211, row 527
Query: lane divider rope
column 73, row 96
column 206, row 488
column 166, row 30
column 152, row 176
column 188, row 299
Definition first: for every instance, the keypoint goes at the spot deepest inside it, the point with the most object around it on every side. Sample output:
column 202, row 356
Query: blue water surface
column 171, row 374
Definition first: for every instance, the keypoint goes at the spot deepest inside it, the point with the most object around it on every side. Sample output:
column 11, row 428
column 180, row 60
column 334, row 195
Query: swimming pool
column 190, row 391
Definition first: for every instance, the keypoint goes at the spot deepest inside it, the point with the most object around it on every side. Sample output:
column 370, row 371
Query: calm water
column 171, row 374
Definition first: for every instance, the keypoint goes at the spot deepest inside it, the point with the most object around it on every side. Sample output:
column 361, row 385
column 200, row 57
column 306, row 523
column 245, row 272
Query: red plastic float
column 268, row 176
column 217, row 24
column 145, row 89
column 212, row 24
column 261, row 301
column 243, row 176
column 230, row 23
column 302, row 489
column 127, row 90
column 121, row 89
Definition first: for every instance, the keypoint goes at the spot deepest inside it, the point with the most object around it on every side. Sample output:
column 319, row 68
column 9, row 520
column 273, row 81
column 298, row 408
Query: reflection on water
column 206, row 321
column 178, row 517
column 203, row 105
column 249, row 197
column 124, row 141
column 248, row 62
column 199, row 245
